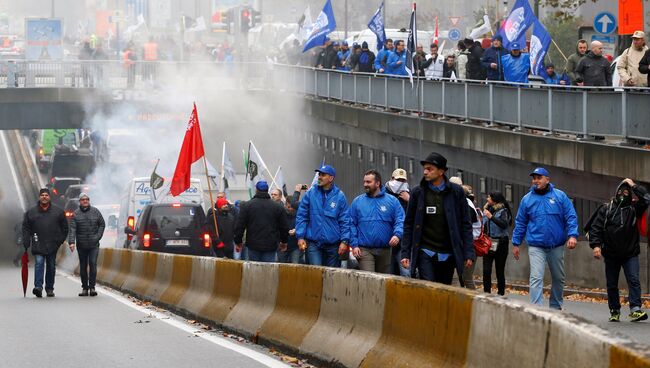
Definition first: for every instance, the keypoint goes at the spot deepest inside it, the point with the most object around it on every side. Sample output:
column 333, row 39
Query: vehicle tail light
column 52, row 180
column 176, row 205
column 41, row 152
column 146, row 240
column 206, row 240
column 69, row 214
column 56, row 192
column 130, row 222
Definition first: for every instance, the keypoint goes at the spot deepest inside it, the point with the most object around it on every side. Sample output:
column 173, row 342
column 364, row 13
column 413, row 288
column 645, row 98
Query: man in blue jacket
column 437, row 228
column 516, row 65
column 546, row 218
column 323, row 221
column 382, row 57
column 377, row 225
column 491, row 59
column 397, row 60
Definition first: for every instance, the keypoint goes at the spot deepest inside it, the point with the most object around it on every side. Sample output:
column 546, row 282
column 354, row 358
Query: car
column 178, row 228
column 110, row 212
column 58, row 186
column 75, row 190
column 48, row 139
column 71, row 162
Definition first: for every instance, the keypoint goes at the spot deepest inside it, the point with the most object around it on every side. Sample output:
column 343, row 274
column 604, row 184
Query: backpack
column 364, row 58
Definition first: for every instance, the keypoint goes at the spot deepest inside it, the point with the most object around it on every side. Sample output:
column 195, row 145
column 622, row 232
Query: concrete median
column 359, row 319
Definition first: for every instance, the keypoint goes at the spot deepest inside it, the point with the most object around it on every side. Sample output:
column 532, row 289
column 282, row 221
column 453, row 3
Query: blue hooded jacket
column 515, row 69
column 546, row 220
column 323, row 217
column 381, row 55
column 393, row 67
column 375, row 220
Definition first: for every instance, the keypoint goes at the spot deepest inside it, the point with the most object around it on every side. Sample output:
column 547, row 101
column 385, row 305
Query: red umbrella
column 25, row 272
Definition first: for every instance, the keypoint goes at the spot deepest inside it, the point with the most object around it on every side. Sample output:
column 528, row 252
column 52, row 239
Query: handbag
column 482, row 244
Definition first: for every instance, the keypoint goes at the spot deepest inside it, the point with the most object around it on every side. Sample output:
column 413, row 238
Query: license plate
column 178, row 243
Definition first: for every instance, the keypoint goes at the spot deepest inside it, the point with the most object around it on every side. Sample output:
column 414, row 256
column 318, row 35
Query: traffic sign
column 454, row 34
column 605, row 22
column 454, row 21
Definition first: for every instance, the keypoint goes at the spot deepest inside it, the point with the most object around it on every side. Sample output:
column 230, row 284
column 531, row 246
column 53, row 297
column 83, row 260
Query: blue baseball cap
column 515, row 46
column 326, row 169
column 540, row 171
column 262, row 186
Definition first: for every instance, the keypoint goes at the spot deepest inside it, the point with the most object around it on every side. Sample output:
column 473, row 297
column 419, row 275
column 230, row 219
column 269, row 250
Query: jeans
column 260, row 256
column 88, row 259
column 291, row 256
column 44, row 263
column 631, row 271
column 468, row 277
column 324, row 255
column 538, row 258
column 499, row 258
column 396, row 267
column 432, row 269
column 375, row 260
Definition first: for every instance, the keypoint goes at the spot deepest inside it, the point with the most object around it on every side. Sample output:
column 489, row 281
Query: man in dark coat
column 594, row 68
column 437, row 229
column 644, row 65
column 224, row 245
column 474, row 69
column 45, row 228
column 265, row 223
column 491, row 59
column 86, row 230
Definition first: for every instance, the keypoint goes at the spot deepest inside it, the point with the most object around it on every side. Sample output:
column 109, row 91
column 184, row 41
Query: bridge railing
column 587, row 111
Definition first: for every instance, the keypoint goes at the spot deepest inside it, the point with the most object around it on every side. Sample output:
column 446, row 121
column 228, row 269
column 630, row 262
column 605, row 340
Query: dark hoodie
column 614, row 228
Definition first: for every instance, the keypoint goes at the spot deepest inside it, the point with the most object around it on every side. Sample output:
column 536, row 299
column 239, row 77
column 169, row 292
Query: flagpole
column 223, row 174
column 152, row 189
column 212, row 204
column 250, row 194
column 559, row 49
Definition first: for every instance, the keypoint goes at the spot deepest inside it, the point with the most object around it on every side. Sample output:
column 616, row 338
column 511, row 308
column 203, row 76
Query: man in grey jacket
column 86, row 229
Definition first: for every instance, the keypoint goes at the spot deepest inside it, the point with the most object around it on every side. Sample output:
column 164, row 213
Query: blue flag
column 376, row 25
column 325, row 23
column 519, row 20
column 540, row 41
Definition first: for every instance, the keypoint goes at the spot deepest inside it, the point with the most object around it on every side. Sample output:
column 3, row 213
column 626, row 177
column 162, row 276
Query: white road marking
column 221, row 341
column 21, row 198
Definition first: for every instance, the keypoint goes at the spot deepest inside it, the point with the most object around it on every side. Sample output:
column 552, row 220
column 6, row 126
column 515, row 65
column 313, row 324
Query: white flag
column 257, row 169
column 280, row 183
column 482, row 29
column 228, row 174
column 305, row 25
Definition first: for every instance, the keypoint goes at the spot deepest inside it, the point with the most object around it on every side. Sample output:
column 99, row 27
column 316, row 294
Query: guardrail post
column 550, row 112
column 385, row 93
column 341, row 87
column 443, row 99
column 315, row 83
column 585, row 136
column 421, row 107
column 329, row 92
column 403, row 96
column 466, row 104
column 491, row 89
column 355, row 89
column 624, row 139
column 304, row 81
column 519, row 126
column 370, row 90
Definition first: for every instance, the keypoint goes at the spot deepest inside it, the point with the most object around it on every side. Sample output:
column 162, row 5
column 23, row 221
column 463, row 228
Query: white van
column 424, row 37
column 137, row 194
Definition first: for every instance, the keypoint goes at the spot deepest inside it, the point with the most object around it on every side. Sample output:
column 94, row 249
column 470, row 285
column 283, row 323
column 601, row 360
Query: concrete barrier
column 358, row 319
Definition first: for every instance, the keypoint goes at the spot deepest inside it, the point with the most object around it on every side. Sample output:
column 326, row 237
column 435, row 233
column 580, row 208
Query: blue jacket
column 375, row 220
column 458, row 220
column 493, row 55
column 555, row 79
column 383, row 53
column 393, row 67
column 546, row 220
column 515, row 69
column 323, row 218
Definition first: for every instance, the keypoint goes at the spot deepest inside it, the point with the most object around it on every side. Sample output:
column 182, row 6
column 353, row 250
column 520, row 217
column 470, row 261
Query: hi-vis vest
column 150, row 51
column 127, row 62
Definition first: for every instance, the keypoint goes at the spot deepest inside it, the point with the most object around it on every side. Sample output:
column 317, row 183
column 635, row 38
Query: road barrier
column 359, row 319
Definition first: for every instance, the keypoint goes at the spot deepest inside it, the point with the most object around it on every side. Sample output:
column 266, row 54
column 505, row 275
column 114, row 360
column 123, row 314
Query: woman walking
column 498, row 218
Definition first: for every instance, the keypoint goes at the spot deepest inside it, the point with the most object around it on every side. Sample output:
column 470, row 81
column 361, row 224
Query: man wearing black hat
column 437, row 229
column 265, row 223
column 363, row 61
column 45, row 228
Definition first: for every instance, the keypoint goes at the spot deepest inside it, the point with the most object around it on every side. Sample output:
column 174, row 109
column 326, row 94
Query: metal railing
column 585, row 111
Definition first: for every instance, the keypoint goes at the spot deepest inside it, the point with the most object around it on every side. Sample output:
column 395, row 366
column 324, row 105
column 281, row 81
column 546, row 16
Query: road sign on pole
column 604, row 23
column 454, row 34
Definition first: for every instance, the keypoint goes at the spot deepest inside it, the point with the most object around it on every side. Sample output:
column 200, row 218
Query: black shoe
column 38, row 292
column 93, row 292
column 84, row 292
column 50, row 293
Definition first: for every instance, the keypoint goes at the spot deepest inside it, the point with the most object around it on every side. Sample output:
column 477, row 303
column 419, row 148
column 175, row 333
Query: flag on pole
column 325, row 23
column 228, row 174
column 256, row 168
column 435, row 34
column 280, row 183
column 305, row 25
column 410, row 46
column 156, row 181
column 376, row 25
column 482, row 29
column 540, row 41
column 191, row 151
column 515, row 26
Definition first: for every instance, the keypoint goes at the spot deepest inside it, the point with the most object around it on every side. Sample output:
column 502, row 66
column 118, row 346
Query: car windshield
column 168, row 220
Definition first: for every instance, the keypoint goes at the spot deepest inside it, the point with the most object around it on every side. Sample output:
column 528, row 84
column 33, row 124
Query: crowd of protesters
column 430, row 231
column 487, row 60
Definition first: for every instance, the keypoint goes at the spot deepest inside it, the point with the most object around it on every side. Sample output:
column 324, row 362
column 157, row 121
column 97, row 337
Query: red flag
column 191, row 151
column 435, row 33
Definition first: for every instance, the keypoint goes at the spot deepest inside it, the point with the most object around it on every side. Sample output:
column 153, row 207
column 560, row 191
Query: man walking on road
column 265, row 223
column 45, row 228
column 614, row 236
column 377, row 225
column 437, row 229
column 86, row 230
column 323, row 221
column 546, row 218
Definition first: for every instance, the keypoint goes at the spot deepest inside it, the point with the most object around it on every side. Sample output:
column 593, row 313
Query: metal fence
column 587, row 111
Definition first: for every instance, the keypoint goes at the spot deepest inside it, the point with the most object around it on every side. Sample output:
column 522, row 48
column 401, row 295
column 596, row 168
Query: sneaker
column 84, row 292
column 38, row 292
column 615, row 316
column 93, row 292
column 637, row 316
column 50, row 293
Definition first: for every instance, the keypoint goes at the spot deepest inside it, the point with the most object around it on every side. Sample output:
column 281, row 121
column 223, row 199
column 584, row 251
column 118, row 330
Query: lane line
column 21, row 198
column 217, row 340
